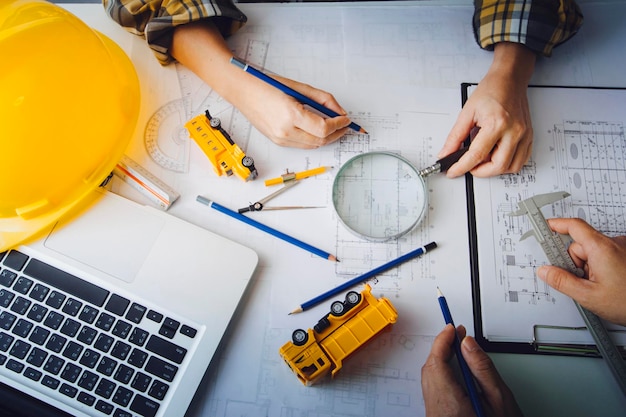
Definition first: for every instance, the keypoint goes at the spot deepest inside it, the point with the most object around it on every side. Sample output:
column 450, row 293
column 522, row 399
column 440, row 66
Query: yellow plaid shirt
column 539, row 24
column 156, row 19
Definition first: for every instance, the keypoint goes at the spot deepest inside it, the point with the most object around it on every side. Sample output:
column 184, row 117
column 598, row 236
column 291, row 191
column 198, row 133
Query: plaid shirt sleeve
column 539, row 24
column 156, row 19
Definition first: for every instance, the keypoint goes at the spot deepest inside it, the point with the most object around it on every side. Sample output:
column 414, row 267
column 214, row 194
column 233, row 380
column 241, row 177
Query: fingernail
column 469, row 344
column 541, row 272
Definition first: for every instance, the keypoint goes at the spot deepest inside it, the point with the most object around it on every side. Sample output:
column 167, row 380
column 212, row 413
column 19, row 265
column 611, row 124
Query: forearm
column 200, row 47
column 513, row 61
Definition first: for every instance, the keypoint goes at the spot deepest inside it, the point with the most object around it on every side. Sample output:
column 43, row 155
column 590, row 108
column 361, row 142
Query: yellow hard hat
column 69, row 101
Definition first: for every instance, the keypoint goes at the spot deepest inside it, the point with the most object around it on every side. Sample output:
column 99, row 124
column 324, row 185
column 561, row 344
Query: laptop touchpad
column 112, row 237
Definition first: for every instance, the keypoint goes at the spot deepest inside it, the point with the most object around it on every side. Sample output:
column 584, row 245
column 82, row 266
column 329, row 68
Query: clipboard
column 581, row 137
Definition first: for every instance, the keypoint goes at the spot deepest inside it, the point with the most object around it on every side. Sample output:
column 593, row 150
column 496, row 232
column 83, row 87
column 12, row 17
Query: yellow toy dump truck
column 350, row 324
column 225, row 155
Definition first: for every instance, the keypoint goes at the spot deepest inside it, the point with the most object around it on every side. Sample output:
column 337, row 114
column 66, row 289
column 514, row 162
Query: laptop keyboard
column 103, row 353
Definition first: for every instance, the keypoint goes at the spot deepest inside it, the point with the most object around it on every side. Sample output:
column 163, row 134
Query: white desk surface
column 393, row 48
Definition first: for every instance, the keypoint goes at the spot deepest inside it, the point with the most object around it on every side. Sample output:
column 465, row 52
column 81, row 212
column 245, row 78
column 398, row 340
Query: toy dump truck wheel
column 215, row 122
column 337, row 308
column 353, row 298
column 299, row 337
column 247, row 162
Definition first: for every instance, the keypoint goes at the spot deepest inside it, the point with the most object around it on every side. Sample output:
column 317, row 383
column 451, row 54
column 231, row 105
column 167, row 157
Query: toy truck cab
column 308, row 361
column 225, row 155
column 349, row 325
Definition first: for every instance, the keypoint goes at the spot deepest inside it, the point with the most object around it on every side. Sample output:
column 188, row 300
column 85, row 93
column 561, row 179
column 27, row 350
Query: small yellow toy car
column 225, row 155
column 350, row 324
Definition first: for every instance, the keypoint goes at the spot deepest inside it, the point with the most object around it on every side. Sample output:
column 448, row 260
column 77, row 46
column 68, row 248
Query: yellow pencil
column 290, row 176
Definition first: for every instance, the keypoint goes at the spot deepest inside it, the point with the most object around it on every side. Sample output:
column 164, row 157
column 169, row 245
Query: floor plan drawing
column 594, row 171
column 582, row 155
column 589, row 159
column 359, row 255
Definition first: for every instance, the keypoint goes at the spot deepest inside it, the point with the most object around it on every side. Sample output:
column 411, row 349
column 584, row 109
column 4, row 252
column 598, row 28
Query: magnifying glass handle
column 443, row 164
column 447, row 161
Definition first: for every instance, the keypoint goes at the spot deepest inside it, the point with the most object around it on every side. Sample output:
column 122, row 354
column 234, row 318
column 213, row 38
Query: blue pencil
column 361, row 278
column 291, row 92
column 266, row 229
column 467, row 374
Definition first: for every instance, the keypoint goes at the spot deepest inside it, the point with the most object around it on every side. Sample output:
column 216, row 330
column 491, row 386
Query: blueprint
column 398, row 72
column 579, row 151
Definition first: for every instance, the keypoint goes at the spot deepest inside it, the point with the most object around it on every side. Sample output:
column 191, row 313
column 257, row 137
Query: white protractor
column 165, row 137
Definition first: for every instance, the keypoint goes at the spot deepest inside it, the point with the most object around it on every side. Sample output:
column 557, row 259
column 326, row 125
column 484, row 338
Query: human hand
column 286, row 121
column 604, row 262
column 201, row 48
column 499, row 107
column 444, row 396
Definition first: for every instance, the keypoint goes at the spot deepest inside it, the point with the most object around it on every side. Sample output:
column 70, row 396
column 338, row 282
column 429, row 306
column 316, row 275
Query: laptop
column 115, row 312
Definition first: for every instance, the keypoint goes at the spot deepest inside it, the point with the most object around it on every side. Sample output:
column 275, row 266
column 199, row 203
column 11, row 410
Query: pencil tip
column 363, row 131
column 333, row 258
column 439, row 293
column 296, row 311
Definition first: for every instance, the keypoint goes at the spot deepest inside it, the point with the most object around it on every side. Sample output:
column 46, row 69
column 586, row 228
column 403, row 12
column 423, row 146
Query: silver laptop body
column 119, row 310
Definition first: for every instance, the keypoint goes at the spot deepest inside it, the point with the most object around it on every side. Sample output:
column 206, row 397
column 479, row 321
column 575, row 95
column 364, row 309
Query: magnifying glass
column 380, row 196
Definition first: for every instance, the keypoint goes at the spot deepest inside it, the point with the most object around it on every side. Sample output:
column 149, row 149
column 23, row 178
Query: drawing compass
column 260, row 205
column 554, row 248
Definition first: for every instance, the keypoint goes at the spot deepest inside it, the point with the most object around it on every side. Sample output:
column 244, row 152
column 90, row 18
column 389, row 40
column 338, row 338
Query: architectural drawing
column 168, row 144
column 374, row 382
column 358, row 255
column 378, row 60
column 371, row 384
column 594, row 172
column 588, row 159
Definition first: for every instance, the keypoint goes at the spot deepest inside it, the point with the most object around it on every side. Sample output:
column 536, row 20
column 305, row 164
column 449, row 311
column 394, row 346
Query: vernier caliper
column 554, row 248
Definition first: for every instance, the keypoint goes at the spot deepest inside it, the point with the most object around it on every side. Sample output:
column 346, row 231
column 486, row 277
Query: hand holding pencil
column 441, row 387
column 302, row 116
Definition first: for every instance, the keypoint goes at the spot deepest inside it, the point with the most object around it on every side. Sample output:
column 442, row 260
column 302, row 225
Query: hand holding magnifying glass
column 380, row 196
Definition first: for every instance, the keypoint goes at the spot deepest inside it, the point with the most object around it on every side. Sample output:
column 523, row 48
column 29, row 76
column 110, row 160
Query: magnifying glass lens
column 379, row 196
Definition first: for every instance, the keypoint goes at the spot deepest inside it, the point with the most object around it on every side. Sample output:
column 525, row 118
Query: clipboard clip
column 569, row 347
column 260, row 205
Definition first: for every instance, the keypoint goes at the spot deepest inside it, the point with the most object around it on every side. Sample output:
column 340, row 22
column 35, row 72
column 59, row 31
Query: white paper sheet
column 397, row 67
column 579, row 148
